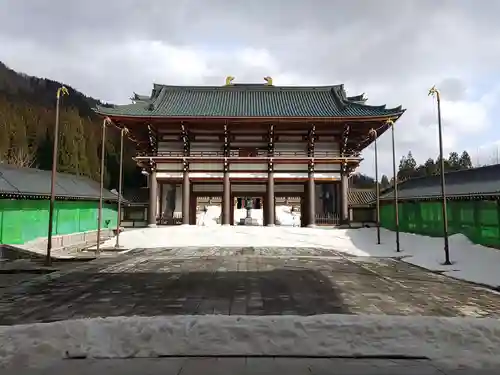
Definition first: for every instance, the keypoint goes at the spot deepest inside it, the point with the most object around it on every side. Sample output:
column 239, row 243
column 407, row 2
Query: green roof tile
column 247, row 100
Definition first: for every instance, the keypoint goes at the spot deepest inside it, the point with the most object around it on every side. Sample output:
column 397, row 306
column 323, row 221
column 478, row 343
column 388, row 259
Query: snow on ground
column 456, row 341
column 470, row 262
column 212, row 214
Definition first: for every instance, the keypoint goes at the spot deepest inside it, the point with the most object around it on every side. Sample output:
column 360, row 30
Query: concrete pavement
column 251, row 366
column 152, row 282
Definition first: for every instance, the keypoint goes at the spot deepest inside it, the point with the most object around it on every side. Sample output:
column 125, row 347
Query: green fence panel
column 12, row 222
column 88, row 216
column 67, row 217
column 478, row 220
column 26, row 220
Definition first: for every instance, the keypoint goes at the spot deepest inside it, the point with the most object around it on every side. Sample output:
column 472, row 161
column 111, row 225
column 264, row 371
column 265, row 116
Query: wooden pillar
column 193, row 200
column 226, row 197
column 344, row 204
column 161, row 207
column 303, row 213
column 337, row 200
column 153, row 198
column 186, row 193
column 311, row 186
column 265, row 215
column 311, row 198
column 270, row 199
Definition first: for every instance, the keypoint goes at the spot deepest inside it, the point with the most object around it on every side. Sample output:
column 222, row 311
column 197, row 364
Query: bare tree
column 21, row 157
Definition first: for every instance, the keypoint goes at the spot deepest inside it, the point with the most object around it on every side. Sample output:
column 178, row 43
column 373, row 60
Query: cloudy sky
column 392, row 50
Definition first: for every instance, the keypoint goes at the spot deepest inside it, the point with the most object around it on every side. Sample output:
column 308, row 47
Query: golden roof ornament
column 269, row 81
column 229, row 80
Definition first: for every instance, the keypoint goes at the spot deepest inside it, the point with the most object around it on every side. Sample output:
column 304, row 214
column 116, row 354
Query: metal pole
column 120, row 184
column 396, row 208
column 55, row 150
column 377, row 186
column 99, row 212
column 447, row 260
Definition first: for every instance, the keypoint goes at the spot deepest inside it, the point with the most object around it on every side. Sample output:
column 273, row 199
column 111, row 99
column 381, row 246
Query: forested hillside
column 408, row 168
column 27, row 116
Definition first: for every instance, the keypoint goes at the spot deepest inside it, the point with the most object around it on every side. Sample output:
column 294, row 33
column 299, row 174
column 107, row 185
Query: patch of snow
column 209, row 217
column 286, row 217
column 458, row 341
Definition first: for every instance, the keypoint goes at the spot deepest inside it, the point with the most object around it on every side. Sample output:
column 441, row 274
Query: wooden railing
column 327, row 219
column 320, row 219
column 277, row 154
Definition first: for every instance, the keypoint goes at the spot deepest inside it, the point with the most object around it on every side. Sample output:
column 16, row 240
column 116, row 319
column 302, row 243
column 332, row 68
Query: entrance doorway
column 239, row 212
column 208, row 210
column 256, row 203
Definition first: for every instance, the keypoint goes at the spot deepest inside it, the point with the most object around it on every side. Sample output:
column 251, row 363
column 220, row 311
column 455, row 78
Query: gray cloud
column 392, row 50
column 453, row 88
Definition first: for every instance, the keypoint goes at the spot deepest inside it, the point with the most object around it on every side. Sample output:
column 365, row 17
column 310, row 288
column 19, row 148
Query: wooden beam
column 311, row 137
column 227, row 142
column 271, row 142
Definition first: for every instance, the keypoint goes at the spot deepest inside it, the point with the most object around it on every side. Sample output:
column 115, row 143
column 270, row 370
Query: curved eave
column 357, row 98
column 390, row 115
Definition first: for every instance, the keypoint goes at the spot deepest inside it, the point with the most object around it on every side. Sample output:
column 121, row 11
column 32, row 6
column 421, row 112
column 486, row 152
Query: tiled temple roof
column 249, row 101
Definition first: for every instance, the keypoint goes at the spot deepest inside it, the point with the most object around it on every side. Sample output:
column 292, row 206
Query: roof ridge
column 246, row 86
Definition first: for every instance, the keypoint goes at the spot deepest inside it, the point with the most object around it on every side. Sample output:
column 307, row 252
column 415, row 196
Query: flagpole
column 61, row 91
column 435, row 92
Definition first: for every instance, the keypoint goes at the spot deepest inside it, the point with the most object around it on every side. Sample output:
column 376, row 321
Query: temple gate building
column 263, row 141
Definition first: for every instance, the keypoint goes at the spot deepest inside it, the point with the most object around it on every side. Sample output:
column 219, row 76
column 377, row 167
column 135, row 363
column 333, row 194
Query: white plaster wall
column 174, row 147
column 248, row 167
column 326, row 167
column 288, row 147
column 278, row 167
column 331, row 148
column 207, row 148
column 176, row 166
column 206, row 167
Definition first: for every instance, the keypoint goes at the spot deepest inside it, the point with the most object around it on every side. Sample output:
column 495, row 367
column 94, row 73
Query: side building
column 473, row 205
column 240, row 141
column 24, row 205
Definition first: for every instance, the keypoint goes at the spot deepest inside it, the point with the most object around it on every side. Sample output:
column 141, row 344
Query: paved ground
column 152, row 282
column 250, row 366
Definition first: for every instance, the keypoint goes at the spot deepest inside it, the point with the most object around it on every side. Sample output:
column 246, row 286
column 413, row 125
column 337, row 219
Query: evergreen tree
column 465, row 161
column 384, row 182
column 362, row 181
column 430, row 167
column 454, row 161
column 438, row 165
column 407, row 167
column 411, row 164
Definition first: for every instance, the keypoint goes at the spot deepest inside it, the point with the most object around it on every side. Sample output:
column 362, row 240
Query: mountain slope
column 27, row 116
